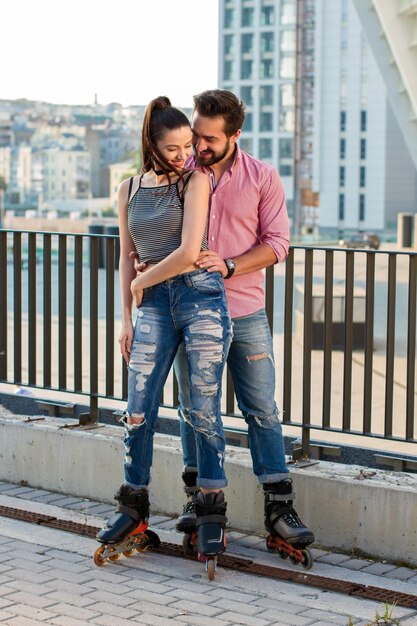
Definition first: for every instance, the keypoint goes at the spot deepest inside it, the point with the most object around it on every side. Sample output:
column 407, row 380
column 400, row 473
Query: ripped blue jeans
column 251, row 364
column 189, row 308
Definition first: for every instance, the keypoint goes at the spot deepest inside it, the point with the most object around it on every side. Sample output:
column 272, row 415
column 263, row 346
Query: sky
column 128, row 51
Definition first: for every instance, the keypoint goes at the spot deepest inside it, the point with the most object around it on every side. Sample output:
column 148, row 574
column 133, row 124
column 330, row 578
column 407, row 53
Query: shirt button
column 212, row 238
column 213, row 217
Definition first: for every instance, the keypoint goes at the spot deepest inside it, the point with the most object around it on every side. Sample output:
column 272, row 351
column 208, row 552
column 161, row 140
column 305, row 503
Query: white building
column 318, row 110
column 65, row 174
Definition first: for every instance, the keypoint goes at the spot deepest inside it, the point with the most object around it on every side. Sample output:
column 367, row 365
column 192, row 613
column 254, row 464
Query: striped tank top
column 155, row 216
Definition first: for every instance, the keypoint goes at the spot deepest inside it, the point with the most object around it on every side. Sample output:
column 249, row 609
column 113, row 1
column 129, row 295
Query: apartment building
column 317, row 108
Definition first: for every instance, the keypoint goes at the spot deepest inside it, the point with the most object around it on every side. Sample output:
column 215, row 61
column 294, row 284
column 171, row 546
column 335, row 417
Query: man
column 248, row 230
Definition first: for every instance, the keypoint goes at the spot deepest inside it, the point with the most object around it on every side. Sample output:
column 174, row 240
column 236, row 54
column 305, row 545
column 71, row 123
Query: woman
column 163, row 217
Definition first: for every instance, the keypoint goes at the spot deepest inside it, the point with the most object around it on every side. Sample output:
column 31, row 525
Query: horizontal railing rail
column 343, row 321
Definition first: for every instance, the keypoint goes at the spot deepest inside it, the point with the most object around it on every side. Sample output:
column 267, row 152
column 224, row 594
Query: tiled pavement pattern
column 48, row 577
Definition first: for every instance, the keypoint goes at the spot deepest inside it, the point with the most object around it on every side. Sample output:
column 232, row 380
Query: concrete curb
column 347, row 507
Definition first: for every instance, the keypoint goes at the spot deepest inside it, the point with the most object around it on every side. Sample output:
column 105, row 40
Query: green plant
column 379, row 620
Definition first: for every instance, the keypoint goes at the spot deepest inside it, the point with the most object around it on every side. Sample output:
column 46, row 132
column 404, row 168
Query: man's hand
column 211, row 261
column 137, row 264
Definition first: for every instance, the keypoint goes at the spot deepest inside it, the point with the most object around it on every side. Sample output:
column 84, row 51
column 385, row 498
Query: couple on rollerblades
column 204, row 226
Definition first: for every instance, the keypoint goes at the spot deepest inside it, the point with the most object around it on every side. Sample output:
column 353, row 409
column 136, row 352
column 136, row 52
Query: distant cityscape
column 66, row 160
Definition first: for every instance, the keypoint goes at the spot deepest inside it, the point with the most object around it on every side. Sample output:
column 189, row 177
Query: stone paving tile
column 74, row 611
column 238, row 607
column 7, row 487
column 334, row 558
column 355, row 564
column 21, row 597
column 24, row 621
column 115, row 621
column 18, row 491
column 155, row 620
column 188, row 606
column 5, row 615
column 25, row 575
column 200, row 620
column 68, row 620
column 325, row 616
column 233, row 595
column 247, row 620
column 117, row 611
column 168, row 525
column 72, row 557
column 35, row 494
column 66, row 502
column 379, row 569
column 29, row 611
column 402, row 573
column 287, row 618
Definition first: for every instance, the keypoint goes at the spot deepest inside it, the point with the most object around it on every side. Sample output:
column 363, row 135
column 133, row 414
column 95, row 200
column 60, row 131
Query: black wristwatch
column 231, row 266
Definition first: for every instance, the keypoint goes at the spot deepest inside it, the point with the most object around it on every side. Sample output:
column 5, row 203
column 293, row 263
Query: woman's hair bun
column 160, row 103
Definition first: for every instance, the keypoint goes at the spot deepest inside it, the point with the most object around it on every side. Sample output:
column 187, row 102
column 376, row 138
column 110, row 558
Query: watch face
column 230, row 264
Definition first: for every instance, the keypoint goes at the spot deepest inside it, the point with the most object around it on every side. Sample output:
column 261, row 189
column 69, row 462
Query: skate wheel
column 114, row 557
column 270, row 546
column 129, row 553
column 283, row 554
column 98, row 559
column 308, row 559
column 187, row 545
column 294, row 560
column 153, row 539
column 211, row 568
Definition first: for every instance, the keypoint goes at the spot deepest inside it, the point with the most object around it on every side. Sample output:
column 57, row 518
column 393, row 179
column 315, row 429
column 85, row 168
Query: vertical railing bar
column 307, row 349
column 124, row 379
column 47, row 312
column 328, row 338
column 411, row 346
column 17, row 306
column 390, row 348
column 3, row 306
column 94, row 243
column 230, row 393
column 175, row 390
column 348, row 346
column 288, row 322
column 62, row 311
column 110, row 261
column 269, row 296
column 369, row 343
column 78, row 313
column 32, row 308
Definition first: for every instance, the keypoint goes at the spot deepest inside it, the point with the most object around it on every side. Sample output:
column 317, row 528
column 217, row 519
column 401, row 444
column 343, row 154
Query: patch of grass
column 387, row 619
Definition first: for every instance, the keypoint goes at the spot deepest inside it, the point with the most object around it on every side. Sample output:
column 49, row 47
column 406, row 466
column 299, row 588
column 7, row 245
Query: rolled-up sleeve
column 273, row 216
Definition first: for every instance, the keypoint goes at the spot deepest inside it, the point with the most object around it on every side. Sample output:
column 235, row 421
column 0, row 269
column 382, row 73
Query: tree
column 3, row 184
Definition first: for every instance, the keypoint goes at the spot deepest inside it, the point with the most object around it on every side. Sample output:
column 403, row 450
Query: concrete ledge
column 348, row 507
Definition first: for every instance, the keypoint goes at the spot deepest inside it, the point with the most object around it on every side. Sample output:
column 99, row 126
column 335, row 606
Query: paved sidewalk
column 47, row 576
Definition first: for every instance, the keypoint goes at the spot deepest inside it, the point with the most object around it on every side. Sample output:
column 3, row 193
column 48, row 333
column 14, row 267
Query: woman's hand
column 137, row 292
column 126, row 339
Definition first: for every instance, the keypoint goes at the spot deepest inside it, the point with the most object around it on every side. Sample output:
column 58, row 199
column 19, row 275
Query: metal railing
column 343, row 321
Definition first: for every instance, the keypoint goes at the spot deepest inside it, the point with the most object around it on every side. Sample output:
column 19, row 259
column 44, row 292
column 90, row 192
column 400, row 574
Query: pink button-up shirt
column 247, row 207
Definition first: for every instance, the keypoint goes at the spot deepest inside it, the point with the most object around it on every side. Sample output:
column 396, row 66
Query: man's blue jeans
column 190, row 308
column 252, row 367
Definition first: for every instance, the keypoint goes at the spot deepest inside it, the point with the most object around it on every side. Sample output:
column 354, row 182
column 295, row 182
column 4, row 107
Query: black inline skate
column 127, row 529
column 211, row 523
column 187, row 522
column 287, row 534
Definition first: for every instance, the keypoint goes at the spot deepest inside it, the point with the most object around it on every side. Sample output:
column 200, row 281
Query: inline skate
column 127, row 530
column 287, row 534
column 211, row 523
column 187, row 522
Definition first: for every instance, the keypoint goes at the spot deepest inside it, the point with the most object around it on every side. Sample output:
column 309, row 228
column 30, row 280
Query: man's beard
column 215, row 158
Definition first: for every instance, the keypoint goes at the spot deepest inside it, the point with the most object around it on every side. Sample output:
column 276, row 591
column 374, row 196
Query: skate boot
column 287, row 534
column 186, row 523
column 211, row 535
column 127, row 529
